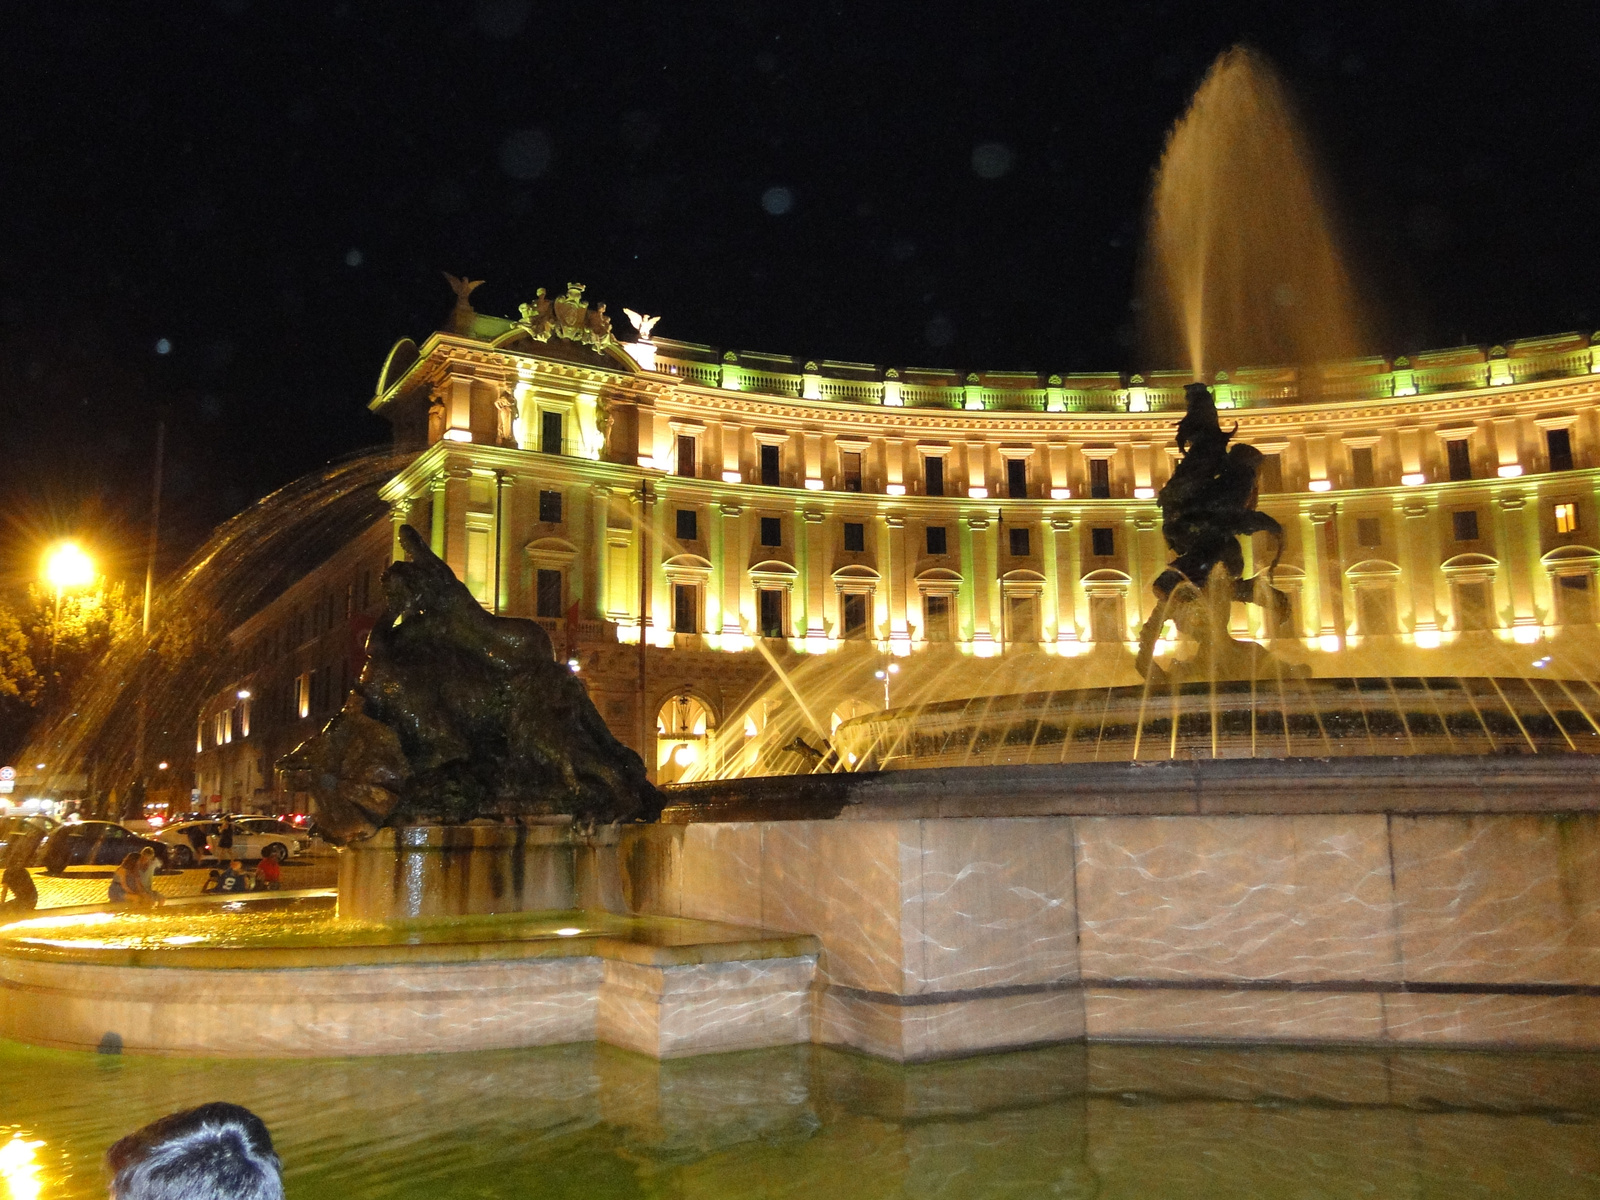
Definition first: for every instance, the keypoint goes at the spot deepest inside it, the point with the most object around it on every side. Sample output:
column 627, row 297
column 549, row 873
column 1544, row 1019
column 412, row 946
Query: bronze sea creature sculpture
column 461, row 715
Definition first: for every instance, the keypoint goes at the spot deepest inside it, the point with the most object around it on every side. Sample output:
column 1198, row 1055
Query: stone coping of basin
column 1401, row 784
column 643, row 940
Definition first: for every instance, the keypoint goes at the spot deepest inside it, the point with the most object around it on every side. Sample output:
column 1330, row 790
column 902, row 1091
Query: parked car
column 17, row 830
column 95, row 843
column 194, row 842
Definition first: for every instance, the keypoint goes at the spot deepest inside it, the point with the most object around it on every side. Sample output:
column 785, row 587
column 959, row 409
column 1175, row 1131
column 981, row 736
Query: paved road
column 88, row 885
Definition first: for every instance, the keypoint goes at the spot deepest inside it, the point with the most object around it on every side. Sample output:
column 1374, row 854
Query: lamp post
column 66, row 566
column 884, row 674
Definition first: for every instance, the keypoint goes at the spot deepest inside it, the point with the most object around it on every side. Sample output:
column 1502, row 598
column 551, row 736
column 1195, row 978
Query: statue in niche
column 537, row 318
column 462, row 316
column 505, row 409
column 436, row 413
column 460, row 715
column 1207, row 505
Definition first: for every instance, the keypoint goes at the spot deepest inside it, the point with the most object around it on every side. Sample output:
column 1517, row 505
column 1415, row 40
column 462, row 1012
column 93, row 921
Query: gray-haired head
column 214, row 1152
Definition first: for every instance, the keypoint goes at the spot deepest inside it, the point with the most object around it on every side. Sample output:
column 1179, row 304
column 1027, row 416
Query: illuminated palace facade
column 742, row 512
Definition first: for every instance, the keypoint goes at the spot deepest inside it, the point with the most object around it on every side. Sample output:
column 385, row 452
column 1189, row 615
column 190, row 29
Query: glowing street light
column 67, row 566
column 884, row 674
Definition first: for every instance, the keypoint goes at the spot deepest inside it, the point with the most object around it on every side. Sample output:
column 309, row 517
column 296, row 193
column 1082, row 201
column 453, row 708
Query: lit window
column 1566, row 518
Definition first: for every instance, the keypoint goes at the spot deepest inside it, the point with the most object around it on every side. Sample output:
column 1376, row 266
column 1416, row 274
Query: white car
column 195, row 842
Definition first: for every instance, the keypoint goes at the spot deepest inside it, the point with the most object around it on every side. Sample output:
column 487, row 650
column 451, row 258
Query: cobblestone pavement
column 88, row 885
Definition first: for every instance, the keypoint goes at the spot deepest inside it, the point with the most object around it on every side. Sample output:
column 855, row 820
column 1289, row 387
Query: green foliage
column 48, row 643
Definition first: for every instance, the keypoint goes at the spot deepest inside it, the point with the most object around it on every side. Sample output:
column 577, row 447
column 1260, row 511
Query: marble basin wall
column 944, row 936
column 463, row 870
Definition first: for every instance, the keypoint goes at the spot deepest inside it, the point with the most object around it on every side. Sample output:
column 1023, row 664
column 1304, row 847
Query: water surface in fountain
column 597, row 1123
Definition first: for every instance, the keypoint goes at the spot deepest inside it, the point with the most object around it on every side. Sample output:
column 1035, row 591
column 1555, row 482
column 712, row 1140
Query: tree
column 48, row 643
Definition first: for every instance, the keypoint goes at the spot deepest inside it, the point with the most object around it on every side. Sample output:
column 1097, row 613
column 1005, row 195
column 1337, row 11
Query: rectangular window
column 933, row 474
column 1472, row 605
column 1361, row 466
column 302, row 694
column 550, row 438
column 685, row 466
column 769, row 605
column 1099, row 479
column 854, row 606
column 1559, row 443
column 1375, row 611
column 1017, row 478
column 1106, row 618
column 685, row 608
column 1369, row 535
column 549, row 593
column 688, row 527
column 772, row 531
column 550, row 507
column 1574, row 599
column 936, row 618
column 1103, row 541
column 850, row 470
column 771, row 465
column 1022, row 618
column 1459, row 454
column 1270, row 477
column 1019, row 542
column 855, row 536
column 1465, row 524
column 936, row 539
column 1566, row 517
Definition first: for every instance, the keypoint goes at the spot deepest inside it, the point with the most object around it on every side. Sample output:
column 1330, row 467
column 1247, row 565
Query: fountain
column 1207, row 840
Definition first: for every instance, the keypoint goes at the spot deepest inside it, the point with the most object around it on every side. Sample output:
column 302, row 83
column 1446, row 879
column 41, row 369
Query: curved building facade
column 713, row 537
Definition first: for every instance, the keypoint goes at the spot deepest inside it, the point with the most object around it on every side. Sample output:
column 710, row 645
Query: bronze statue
column 460, row 715
column 1207, row 505
column 462, row 316
column 536, row 317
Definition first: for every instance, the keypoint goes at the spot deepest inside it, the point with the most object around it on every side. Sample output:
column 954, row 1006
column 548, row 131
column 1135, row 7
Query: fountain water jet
column 1242, row 265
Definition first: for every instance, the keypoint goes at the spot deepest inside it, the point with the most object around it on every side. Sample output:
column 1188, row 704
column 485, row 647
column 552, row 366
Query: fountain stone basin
column 486, row 867
column 279, row 975
column 1410, row 901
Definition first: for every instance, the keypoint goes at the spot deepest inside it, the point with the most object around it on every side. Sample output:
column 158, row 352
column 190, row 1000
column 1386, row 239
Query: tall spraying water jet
column 1241, row 264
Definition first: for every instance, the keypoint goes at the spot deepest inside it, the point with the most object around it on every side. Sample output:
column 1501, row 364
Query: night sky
column 227, row 212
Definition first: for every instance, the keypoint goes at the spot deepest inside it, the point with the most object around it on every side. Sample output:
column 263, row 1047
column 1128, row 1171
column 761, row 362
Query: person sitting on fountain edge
column 269, row 876
column 214, row 1152
column 234, row 878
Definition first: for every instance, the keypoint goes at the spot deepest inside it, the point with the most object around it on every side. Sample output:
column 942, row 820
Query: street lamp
column 67, row 565
column 891, row 669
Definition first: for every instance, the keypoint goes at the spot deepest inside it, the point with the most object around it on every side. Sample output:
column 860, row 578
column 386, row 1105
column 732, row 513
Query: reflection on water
column 596, row 1122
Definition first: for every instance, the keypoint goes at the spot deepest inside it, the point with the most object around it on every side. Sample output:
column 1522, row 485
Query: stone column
column 892, row 573
column 809, row 532
column 1313, row 592
column 1071, row 607
column 1515, row 582
column 599, row 551
column 980, row 562
column 399, row 514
